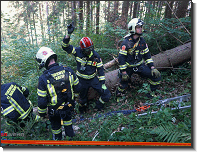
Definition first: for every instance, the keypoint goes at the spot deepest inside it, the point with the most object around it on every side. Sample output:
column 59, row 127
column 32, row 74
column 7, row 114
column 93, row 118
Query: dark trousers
column 145, row 72
column 96, row 85
column 57, row 121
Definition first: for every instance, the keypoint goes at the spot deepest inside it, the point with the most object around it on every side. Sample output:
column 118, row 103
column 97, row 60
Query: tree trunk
column 135, row 9
column 87, row 18
column 125, row 9
column 131, row 6
column 41, row 21
column 81, row 15
column 168, row 11
column 115, row 16
column 74, row 12
column 97, row 16
column 182, row 9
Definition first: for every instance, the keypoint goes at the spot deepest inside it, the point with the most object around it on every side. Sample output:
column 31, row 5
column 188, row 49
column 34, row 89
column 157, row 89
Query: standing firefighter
column 14, row 104
column 134, row 57
column 89, row 64
column 56, row 89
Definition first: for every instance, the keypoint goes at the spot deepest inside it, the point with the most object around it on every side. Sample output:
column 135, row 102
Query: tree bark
column 135, row 9
column 182, row 9
column 168, row 11
column 87, row 17
column 81, row 15
column 97, row 16
column 125, row 9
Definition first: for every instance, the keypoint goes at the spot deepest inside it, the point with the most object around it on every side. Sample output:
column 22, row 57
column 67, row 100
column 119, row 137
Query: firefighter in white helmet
column 135, row 57
column 56, row 88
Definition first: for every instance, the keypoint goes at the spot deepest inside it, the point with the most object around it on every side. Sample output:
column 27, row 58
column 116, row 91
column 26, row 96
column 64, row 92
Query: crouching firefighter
column 56, row 88
column 135, row 57
column 89, row 64
column 14, row 104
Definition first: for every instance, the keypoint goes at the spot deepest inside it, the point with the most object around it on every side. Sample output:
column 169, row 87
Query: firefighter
column 56, row 88
column 89, row 63
column 135, row 57
column 15, row 106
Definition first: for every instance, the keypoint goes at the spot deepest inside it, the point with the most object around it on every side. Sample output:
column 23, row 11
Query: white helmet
column 43, row 54
column 134, row 22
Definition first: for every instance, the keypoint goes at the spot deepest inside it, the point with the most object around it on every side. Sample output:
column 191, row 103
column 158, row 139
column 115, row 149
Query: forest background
column 43, row 23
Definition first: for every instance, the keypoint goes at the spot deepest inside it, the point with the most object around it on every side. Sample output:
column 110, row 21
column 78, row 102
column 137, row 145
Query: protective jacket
column 49, row 95
column 14, row 104
column 133, row 53
column 87, row 67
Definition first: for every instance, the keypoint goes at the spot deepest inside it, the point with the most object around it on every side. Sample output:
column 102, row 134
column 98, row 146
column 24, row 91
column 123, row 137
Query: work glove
column 155, row 72
column 125, row 77
column 70, row 28
column 104, row 87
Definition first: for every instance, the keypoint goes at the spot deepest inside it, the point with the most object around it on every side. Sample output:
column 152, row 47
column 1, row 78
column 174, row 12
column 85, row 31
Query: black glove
column 70, row 28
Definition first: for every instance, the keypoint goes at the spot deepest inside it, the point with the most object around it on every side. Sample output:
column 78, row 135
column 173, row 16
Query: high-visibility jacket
column 133, row 53
column 14, row 104
column 93, row 63
column 49, row 95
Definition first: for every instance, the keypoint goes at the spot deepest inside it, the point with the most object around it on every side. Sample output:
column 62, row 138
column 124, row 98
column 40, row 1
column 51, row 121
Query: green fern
column 172, row 133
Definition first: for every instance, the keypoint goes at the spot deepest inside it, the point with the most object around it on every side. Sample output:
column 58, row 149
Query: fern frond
column 171, row 133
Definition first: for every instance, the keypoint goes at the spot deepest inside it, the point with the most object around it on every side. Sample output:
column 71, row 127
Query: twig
column 159, row 47
column 30, row 95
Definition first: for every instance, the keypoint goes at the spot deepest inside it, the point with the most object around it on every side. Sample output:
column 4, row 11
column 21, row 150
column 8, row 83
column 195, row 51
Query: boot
column 82, row 109
column 57, row 136
column 99, row 106
column 69, row 131
column 152, row 95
